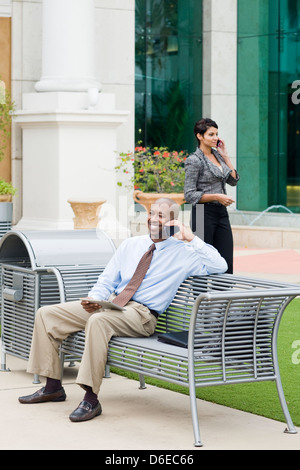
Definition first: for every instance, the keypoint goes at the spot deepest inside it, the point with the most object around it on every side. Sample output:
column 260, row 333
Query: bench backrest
column 77, row 282
column 235, row 314
column 236, row 323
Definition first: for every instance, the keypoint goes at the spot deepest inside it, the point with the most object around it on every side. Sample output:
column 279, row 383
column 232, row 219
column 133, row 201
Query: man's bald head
column 169, row 206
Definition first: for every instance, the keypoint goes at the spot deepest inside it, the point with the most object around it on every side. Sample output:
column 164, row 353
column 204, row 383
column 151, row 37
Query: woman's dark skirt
column 210, row 222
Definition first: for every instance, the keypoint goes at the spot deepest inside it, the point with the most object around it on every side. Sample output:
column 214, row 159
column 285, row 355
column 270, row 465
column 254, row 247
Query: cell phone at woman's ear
column 171, row 230
column 219, row 143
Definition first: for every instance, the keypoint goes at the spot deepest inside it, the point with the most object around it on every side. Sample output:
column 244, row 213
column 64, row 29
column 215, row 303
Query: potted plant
column 157, row 172
column 6, row 191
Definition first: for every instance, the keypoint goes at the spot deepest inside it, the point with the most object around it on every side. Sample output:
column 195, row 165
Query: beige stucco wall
column 5, row 76
column 114, row 62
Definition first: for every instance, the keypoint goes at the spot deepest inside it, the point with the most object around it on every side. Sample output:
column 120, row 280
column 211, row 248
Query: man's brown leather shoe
column 41, row 397
column 85, row 411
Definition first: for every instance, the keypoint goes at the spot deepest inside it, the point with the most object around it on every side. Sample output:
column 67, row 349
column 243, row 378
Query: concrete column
column 69, row 152
column 68, row 46
column 69, row 129
column 220, row 69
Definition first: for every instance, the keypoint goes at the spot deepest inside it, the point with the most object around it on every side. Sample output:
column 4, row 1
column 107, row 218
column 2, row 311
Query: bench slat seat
column 232, row 324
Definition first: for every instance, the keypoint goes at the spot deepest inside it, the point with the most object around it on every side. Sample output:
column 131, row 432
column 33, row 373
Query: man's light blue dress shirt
column 173, row 261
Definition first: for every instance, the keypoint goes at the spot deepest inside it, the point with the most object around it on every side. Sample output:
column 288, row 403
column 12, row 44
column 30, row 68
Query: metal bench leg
column 142, row 382
column 107, row 372
column 3, row 360
column 36, row 379
column 62, row 364
column 193, row 399
column 194, row 412
column 290, row 426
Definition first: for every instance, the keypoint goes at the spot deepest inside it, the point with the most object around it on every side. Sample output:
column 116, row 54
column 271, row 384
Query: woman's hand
column 224, row 154
column 223, row 151
column 222, row 148
column 224, row 199
column 221, row 198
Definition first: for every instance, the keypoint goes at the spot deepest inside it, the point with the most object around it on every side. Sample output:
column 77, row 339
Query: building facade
column 164, row 65
column 268, row 137
column 62, row 148
column 244, row 56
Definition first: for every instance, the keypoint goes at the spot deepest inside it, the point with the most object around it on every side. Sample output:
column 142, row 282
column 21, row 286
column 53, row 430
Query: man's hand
column 184, row 234
column 88, row 306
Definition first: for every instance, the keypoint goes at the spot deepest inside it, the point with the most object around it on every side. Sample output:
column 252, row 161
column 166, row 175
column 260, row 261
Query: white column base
column 70, row 85
column 69, row 152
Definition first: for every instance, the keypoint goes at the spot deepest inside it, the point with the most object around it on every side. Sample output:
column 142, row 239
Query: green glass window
column 168, row 77
column 268, row 107
column 289, row 82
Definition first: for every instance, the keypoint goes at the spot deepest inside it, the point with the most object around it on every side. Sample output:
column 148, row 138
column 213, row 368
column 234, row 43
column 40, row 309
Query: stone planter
column 5, row 197
column 86, row 212
column 146, row 199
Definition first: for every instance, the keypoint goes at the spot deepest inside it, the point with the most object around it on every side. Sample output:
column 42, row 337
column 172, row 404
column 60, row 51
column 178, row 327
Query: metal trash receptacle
column 6, row 210
column 41, row 268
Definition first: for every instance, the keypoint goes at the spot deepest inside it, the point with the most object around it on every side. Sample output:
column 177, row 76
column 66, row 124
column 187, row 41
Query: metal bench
column 232, row 324
column 40, row 286
column 29, row 263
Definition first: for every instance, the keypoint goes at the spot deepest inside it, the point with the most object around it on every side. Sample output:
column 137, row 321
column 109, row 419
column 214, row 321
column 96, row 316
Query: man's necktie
column 136, row 279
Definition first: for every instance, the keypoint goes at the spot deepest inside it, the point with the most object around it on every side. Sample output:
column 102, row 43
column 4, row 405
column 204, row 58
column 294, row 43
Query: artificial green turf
column 260, row 398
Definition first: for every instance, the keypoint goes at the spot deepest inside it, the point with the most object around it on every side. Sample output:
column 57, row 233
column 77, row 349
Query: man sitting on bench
column 141, row 279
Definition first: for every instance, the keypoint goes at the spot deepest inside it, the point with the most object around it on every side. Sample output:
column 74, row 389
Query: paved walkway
column 132, row 419
column 282, row 265
column 153, row 419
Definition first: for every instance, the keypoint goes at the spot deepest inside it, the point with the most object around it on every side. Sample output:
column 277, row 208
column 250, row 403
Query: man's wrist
column 197, row 242
column 190, row 237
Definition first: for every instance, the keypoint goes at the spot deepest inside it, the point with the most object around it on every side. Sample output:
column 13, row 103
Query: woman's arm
column 192, row 169
column 191, row 194
column 221, row 198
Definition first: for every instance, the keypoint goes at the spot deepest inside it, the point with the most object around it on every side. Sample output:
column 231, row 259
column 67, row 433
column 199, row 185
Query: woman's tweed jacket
column 203, row 177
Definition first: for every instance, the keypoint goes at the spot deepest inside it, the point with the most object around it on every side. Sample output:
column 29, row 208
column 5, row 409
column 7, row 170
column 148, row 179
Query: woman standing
column 207, row 171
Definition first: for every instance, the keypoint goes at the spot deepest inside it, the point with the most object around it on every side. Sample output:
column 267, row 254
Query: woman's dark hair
column 202, row 126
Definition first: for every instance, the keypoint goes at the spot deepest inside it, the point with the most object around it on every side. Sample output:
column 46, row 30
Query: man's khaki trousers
column 55, row 322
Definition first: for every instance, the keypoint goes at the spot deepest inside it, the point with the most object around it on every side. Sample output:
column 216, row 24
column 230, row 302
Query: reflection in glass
column 268, row 116
column 168, row 96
